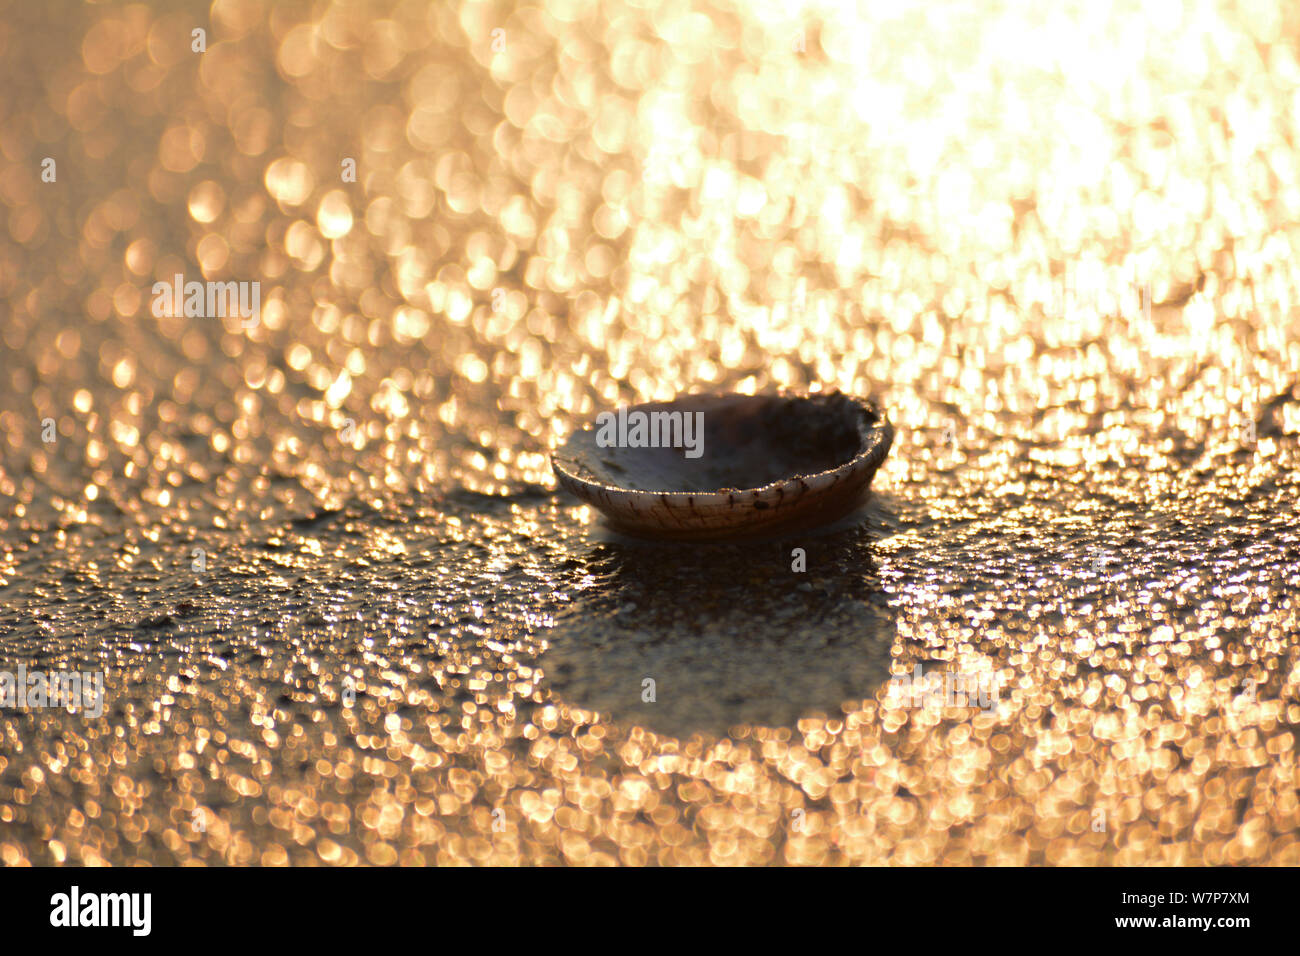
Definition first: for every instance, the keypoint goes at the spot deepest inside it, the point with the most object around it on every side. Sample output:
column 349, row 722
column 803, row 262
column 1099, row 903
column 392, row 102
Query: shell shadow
column 729, row 634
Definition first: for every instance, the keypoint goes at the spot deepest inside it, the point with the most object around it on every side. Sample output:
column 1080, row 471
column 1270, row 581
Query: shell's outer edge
column 684, row 514
column 571, row 479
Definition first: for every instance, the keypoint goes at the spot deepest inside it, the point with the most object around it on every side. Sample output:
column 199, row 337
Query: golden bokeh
column 317, row 551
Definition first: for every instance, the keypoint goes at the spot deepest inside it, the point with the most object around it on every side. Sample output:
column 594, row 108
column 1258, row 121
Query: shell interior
column 747, row 442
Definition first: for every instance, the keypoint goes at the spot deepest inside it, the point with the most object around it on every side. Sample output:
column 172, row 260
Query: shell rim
column 876, row 439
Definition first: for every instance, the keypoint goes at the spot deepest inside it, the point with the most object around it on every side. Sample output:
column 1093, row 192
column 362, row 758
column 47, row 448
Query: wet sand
column 342, row 613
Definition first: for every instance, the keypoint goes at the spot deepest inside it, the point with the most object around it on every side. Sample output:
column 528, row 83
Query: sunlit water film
column 315, row 548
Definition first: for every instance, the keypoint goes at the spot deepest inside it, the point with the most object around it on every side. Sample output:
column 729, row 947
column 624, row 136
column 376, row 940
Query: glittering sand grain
column 345, row 618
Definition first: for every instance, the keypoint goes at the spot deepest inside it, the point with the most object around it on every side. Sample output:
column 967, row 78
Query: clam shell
column 768, row 464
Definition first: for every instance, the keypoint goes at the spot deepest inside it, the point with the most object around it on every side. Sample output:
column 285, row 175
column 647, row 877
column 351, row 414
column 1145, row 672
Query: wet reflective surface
column 344, row 617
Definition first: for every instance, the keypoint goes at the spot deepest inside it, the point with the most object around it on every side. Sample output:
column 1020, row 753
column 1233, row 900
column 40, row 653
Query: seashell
column 727, row 466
